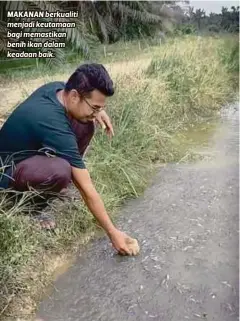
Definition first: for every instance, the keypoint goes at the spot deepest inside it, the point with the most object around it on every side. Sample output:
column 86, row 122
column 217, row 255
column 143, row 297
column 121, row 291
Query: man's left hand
column 103, row 119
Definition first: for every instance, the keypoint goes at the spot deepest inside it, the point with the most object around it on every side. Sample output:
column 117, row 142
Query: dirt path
column 187, row 225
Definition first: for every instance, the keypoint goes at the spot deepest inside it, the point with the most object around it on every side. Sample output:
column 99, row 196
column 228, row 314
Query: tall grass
column 184, row 82
column 229, row 53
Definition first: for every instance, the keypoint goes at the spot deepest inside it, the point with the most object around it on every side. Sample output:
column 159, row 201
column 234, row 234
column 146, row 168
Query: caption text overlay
column 35, row 34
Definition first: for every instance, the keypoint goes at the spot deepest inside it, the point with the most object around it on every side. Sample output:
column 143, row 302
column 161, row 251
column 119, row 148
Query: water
column 187, row 227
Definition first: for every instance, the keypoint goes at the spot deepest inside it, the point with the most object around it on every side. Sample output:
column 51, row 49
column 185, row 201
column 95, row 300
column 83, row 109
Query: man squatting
column 58, row 119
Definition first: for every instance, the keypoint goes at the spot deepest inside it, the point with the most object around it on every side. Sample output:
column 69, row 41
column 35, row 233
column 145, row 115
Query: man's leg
column 42, row 173
column 84, row 133
column 48, row 175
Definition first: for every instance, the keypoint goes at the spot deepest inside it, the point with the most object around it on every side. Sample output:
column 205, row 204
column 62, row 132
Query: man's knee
column 41, row 172
column 61, row 173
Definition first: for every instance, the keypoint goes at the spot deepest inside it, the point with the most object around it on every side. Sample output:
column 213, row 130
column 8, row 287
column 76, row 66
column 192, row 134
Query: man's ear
column 75, row 95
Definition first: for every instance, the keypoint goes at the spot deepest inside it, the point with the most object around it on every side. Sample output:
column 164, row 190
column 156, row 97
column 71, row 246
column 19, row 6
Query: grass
column 181, row 82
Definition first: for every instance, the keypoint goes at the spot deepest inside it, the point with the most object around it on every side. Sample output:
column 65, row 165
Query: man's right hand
column 123, row 243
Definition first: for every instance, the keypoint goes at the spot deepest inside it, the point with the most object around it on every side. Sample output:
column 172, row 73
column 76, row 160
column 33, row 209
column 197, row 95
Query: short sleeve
column 56, row 134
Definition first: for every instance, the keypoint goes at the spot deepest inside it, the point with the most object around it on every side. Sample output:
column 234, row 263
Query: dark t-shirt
column 37, row 123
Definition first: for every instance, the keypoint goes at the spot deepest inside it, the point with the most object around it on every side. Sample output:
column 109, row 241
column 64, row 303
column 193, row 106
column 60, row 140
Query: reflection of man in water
column 43, row 141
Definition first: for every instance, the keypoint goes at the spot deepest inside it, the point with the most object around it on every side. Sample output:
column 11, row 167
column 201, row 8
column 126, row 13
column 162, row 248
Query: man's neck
column 61, row 96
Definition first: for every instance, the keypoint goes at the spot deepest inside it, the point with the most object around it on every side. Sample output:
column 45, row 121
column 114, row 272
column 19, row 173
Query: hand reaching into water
column 124, row 244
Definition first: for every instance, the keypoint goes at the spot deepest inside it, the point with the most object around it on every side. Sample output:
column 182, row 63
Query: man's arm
column 92, row 199
column 83, row 182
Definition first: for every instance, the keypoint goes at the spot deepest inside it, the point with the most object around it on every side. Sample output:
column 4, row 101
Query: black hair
column 88, row 77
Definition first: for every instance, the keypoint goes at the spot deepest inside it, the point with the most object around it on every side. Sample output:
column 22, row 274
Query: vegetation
column 199, row 21
column 163, row 90
column 100, row 21
column 108, row 22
